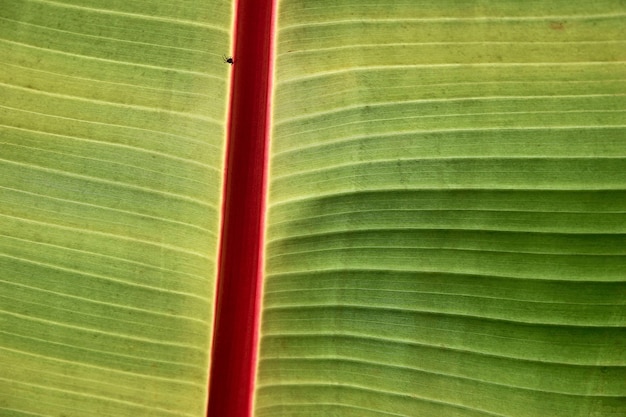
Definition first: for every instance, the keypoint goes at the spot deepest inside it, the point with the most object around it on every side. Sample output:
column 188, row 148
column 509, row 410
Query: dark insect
column 228, row 59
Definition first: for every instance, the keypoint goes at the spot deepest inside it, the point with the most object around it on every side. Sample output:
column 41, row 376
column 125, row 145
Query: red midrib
column 235, row 333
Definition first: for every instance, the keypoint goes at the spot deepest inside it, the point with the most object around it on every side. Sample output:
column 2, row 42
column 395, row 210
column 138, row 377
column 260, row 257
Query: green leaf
column 112, row 120
column 446, row 224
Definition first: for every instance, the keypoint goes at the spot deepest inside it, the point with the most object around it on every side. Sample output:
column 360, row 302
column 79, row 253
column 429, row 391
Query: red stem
column 235, row 334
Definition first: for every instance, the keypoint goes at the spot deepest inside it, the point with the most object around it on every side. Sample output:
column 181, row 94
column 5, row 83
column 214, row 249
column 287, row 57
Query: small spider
column 228, row 59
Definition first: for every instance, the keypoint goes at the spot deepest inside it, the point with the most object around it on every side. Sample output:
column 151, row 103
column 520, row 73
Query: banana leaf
column 445, row 232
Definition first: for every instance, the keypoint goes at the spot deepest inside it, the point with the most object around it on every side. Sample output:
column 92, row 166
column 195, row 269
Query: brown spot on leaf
column 557, row 25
